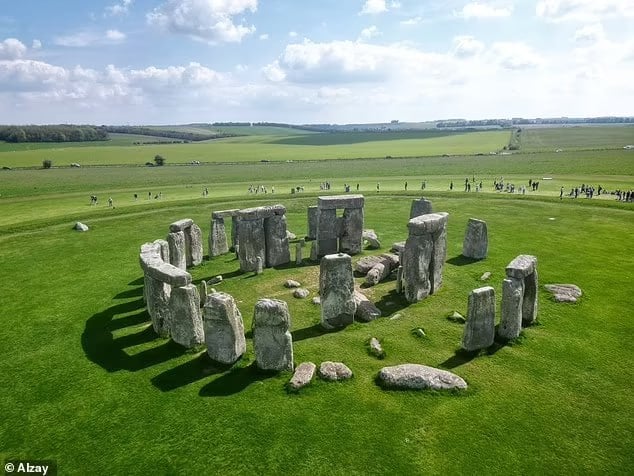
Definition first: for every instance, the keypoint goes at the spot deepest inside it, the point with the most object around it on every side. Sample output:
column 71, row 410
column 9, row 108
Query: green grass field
column 576, row 138
column 87, row 383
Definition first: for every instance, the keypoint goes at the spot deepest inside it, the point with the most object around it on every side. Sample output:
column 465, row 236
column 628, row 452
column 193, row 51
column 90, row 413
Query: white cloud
column 515, row 55
column 264, row 36
column 590, row 33
column 369, row 33
column 206, row 20
column 273, row 72
column 484, row 10
column 411, row 21
column 292, row 34
column 371, row 7
column 121, row 8
column 12, row 48
column 36, row 44
column 466, row 46
column 84, row 39
column 583, row 10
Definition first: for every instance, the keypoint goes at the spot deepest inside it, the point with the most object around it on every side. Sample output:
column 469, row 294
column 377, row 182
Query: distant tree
column 159, row 160
column 47, row 163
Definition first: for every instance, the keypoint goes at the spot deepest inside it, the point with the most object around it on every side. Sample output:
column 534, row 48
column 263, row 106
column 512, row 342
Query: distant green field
column 256, row 148
column 576, row 138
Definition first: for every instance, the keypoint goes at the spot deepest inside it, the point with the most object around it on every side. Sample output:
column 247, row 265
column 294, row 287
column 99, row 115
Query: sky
column 313, row 61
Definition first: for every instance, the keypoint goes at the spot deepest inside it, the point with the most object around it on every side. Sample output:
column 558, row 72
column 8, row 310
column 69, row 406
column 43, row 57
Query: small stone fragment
column 564, row 292
column 303, row 375
column 419, row 332
column 485, row 276
column 376, row 349
column 334, row 371
column 215, row 280
column 301, row 293
column 373, row 240
column 290, row 283
column 419, row 377
column 79, row 226
column 456, row 317
column 316, row 300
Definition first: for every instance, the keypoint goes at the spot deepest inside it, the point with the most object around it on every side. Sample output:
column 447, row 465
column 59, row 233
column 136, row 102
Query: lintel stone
column 340, row 201
column 425, row 224
column 181, row 225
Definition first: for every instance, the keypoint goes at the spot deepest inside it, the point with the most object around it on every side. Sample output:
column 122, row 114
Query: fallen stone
column 215, row 280
column 376, row 349
column 334, row 371
column 398, row 247
column 419, row 377
column 303, row 375
column 301, row 293
column 373, row 240
column 564, row 292
column 398, row 315
column 290, row 283
column 419, row 332
column 316, row 300
column 366, row 310
column 485, row 276
column 366, row 263
column 456, row 317
column 79, row 226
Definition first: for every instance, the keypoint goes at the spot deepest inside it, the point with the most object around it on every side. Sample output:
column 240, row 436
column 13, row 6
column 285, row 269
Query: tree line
column 172, row 134
column 52, row 133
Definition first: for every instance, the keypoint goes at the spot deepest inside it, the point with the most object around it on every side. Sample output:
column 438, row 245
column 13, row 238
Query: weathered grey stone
column 399, row 280
column 479, row 330
column 234, row 231
column 366, row 263
column 529, row 302
column 336, row 288
column 79, row 226
column 186, row 325
column 259, row 266
column 158, row 296
column 303, row 375
column 351, row 231
column 373, row 240
column 398, row 247
column 218, row 238
column 419, row 377
column 165, row 249
column 313, row 251
column 291, row 283
column 299, row 247
column 376, row 349
column 564, row 292
column 276, row 241
column 420, row 207
column 224, row 329
column 424, row 255
column 272, row 341
column 419, row 332
column 485, row 276
column 316, row 300
column 312, row 213
column 521, row 266
column 456, row 317
column 181, row 225
column 252, row 243
column 327, row 232
column 301, row 293
column 476, row 240
column 333, row 371
column 154, row 266
column 290, row 235
column 215, row 280
column 340, row 201
column 261, row 212
column 194, row 240
column 225, row 213
column 366, row 310
column 379, row 271
column 202, row 291
column 178, row 255
column 511, row 320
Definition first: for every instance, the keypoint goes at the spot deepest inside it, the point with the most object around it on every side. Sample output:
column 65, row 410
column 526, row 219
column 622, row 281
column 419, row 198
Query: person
column 110, row 202
column 561, row 193
column 135, row 197
column 378, row 187
column 357, row 187
column 451, row 185
column 149, row 195
column 406, row 186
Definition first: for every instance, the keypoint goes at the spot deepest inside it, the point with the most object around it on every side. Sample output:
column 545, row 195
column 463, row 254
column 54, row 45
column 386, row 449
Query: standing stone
column 420, row 207
column 234, row 230
column 224, row 329
column 272, row 341
column 203, row 292
column 186, row 325
column 276, row 241
column 299, row 259
column 165, row 250
column 157, row 294
column 479, row 330
column 424, row 255
column 328, row 232
column 336, row 289
column 529, row 303
column 313, row 212
column 511, row 320
column 178, row 256
column 259, row 266
column 313, row 251
column 251, row 243
column 476, row 241
column 194, row 236
column 351, row 231
column 399, row 280
column 218, row 237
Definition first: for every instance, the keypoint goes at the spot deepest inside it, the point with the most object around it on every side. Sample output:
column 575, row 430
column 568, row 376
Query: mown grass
column 264, row 147
column 576, row 137
column 87, row 382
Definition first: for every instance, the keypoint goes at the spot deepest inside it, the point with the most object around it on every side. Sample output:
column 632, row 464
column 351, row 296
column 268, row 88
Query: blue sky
column 313, row 61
